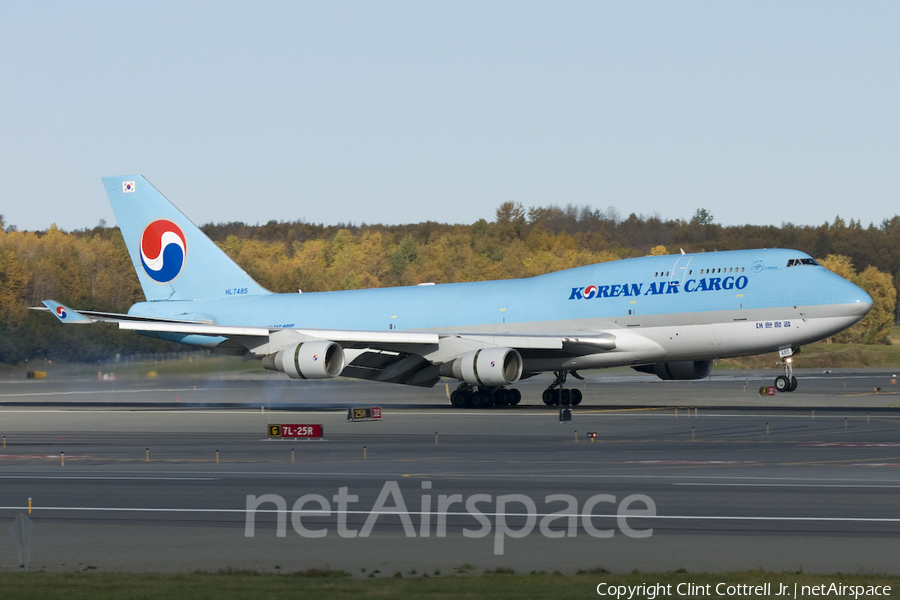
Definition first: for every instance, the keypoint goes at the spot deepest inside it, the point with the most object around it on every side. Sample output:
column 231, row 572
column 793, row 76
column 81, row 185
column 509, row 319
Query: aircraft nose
column 861, row 302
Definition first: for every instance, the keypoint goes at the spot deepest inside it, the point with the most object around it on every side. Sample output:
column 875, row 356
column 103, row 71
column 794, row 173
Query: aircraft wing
column 409, row 357
column 405, row 357
column 427, row 342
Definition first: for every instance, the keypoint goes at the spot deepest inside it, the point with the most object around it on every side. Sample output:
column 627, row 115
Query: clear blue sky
column 396, row 112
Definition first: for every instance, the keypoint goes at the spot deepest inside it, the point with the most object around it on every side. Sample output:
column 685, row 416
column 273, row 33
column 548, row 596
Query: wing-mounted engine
column 319, row 359
column 486, row 367
column 681, row 369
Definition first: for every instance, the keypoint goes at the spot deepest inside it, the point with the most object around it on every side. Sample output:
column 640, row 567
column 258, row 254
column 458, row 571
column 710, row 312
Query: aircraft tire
column 548, row 397
column 501, row 397
column 782, row 384
column 482, row 399
column 515, row 397
column 793, row 385
column 458, row 399
column 576, row 397
column 565, row 397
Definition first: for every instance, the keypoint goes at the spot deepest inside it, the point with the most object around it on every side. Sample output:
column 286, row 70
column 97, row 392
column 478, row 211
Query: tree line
column 90, row 268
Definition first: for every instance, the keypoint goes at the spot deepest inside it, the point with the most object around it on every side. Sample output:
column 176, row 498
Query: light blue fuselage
column 743, row 287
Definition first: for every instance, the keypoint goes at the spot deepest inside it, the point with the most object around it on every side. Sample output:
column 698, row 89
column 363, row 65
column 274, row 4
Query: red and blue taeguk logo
column 61, row 312
column 163, row 250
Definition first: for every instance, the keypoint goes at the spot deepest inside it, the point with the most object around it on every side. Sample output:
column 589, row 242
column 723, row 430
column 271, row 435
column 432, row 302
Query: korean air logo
column 589, row 292
column 61, row 312
column 163, row 250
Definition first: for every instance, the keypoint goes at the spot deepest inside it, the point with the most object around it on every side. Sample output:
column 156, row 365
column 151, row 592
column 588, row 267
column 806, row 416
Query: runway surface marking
column 786, row 485
column 144, row 410
column 218, row 475
column 854, row 444
column 96, row 392
column 110, row 477
column 455, row 514
column 688, row 462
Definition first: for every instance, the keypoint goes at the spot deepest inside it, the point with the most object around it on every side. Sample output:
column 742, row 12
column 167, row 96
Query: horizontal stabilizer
column 94, row 316
column 64, row 313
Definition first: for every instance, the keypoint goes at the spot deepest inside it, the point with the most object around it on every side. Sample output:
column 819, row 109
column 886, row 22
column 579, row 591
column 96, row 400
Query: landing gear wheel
column 551, row 395
column 460, row 399
column 793, row 385
column 782, row 384
column 515, row 397
column 501, row 397
column 565, row 397
column 576, row 397
column 481, row 399
column 548, row 397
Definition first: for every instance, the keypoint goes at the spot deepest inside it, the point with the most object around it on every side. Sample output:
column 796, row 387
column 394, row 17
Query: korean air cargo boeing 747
column 666, row 315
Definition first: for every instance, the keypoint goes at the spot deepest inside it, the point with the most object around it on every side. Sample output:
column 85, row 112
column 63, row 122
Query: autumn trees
column 875, row 327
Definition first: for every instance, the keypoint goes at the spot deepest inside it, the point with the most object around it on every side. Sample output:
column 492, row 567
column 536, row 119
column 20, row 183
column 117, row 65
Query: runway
column 730, row 487
column 609, row 387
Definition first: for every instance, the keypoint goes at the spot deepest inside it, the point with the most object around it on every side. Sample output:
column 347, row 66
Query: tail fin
column 174, row 260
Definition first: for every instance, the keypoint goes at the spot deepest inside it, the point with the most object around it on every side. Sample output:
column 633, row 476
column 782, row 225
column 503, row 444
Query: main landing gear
column 555, row 394
column 465, row 396
column 786, row 382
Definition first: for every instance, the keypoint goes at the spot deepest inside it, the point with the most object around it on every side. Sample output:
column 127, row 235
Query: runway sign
column 364, row 414
column 296, row 431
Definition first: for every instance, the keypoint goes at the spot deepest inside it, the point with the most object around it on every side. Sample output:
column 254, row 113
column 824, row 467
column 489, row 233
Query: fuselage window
column 795, row 262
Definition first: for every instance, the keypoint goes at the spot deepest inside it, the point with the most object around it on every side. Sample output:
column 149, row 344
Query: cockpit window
column 795, row 262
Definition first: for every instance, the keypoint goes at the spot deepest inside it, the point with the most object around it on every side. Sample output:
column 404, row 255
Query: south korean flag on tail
column 127, row 187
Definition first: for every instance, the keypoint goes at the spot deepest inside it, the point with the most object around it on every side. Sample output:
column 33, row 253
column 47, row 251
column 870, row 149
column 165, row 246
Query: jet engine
column 681, row 369
column 320, row 359
column 487, row 367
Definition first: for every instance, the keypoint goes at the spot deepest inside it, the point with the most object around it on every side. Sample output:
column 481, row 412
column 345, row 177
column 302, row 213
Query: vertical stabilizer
column 174, row 260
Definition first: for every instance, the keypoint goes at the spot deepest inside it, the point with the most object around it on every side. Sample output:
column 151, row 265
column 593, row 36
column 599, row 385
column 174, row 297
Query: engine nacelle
column 487, row 367
column 308, row 360
column 681, row 369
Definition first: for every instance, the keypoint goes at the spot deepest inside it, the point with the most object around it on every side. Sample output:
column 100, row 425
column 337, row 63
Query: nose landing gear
column 787, row 382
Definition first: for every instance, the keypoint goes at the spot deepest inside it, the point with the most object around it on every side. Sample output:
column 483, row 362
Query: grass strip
column 501, row 583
